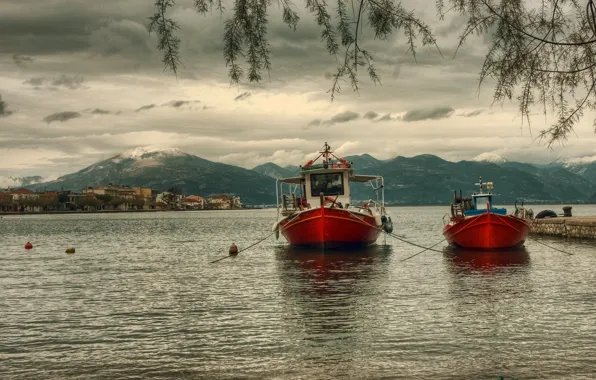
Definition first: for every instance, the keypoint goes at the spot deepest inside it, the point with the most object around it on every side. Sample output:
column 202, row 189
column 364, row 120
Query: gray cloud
column 343, row 117
column 346, row 116
column 4, row 108
column 428, row 113
column 147, row 107
column 243, row 96
column 71, row 82
column 314, row 123
column 471, row 113
column 172, row 104
column 386, row 117
column 179, row 103
column 370, row 115
column 98, row 111
column 122, row 37
column 36, row 81
column 21, row 60
column 187, row 75
column 102, row 40
column 61, row 116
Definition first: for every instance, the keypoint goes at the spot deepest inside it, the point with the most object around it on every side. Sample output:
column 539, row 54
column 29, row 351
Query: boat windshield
column 327, row 183
column 480, row 200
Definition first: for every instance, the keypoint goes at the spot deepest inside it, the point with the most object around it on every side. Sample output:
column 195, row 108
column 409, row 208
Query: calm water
column 139, row 299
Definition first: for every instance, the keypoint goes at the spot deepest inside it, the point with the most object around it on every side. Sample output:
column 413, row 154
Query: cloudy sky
column 82, row 81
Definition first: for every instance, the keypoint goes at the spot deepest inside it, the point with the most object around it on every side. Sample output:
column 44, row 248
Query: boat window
column 481, row 201
column 327, row 183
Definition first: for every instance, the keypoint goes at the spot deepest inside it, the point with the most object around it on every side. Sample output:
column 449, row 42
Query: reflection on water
column 140, row 300
column 313, row 270
column 328, row 297
column 485, row 261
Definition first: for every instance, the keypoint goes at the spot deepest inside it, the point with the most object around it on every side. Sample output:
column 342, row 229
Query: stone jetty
column 570, row 227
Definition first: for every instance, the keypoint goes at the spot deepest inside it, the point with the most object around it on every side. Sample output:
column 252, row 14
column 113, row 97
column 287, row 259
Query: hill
column 163, row 169
column 419, row 180
column 428, row 179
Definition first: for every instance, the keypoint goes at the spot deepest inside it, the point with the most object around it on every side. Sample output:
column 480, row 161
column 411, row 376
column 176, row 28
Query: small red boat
column 316, row 209
column 476, row 224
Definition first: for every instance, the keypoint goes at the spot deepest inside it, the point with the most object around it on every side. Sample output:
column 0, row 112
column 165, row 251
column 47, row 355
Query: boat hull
column 487, row 231
column 330, row 228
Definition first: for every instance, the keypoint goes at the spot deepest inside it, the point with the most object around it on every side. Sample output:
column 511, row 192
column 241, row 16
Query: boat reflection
column 485, row 261
column 489, row 280
column 317, row 271
column 328, row 296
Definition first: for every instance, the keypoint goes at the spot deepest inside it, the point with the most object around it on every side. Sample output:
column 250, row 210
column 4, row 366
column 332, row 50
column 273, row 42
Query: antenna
column 479, row 183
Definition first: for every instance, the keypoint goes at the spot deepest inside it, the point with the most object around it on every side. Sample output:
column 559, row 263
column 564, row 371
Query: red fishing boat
column 316, row 209
column 476, row 224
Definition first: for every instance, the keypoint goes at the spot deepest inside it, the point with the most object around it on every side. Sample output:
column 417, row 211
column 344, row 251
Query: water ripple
column 139, row 300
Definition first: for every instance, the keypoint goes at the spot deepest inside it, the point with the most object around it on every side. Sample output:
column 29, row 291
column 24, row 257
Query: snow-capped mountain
column 423, row 179
column 162, row 169
column 583, row 166
column 489, row 157
column 150, row 152
column 577, row 161
column 14, row 182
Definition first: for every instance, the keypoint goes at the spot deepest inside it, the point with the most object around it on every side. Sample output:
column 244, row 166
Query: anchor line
column 556, row 249
column 399, row 238
column 258, row 242
column 424, row 250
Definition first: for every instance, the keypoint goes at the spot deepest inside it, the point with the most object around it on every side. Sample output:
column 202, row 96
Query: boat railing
column 367, row 206
column 446, row 215
column 286, row 204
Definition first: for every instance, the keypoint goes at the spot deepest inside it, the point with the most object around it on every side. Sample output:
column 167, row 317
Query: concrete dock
column 569, row 227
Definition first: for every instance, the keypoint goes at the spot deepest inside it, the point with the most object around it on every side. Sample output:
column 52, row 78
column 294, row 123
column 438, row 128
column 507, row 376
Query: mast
column 325, row 153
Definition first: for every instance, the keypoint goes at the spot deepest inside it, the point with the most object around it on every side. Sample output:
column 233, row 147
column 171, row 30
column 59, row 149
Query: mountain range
column 428, row 179
column 418, row 180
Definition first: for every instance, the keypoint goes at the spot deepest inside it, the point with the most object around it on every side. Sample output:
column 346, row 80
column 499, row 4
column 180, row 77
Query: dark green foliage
column 541, row 54
column 166, row 28
column 4, row 108
column 245, row 34
column 63, row 197
column 175, row 190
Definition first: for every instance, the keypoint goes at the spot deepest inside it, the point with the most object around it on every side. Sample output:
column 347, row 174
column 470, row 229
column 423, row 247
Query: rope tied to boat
column 279, row 229
column 400, row 238
column 556, row 249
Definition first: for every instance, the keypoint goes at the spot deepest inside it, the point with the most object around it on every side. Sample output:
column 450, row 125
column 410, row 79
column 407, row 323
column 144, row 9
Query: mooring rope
column 556, row 249
column 398, row 237
column 424, row 250
column 258, row 242
column 395, row 236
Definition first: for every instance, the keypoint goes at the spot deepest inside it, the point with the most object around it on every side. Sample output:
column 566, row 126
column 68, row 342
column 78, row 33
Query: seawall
column 568, row 227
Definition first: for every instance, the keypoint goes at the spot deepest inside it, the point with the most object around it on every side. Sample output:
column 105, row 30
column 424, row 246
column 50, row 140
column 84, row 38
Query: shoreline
column 13, row 213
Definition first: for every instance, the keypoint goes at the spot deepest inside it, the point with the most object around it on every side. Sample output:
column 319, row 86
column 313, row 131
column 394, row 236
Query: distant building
column 194, row 202
column 22, row 194
column 6, row 203
column 124, row 197
column 97, row 190
column 224, row 202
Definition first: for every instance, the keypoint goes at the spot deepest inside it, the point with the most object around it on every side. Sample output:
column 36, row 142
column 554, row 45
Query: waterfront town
column 112, row 197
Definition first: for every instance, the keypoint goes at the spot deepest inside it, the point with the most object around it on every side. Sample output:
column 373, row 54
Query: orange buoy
column 28, row 245
column 233, row 250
